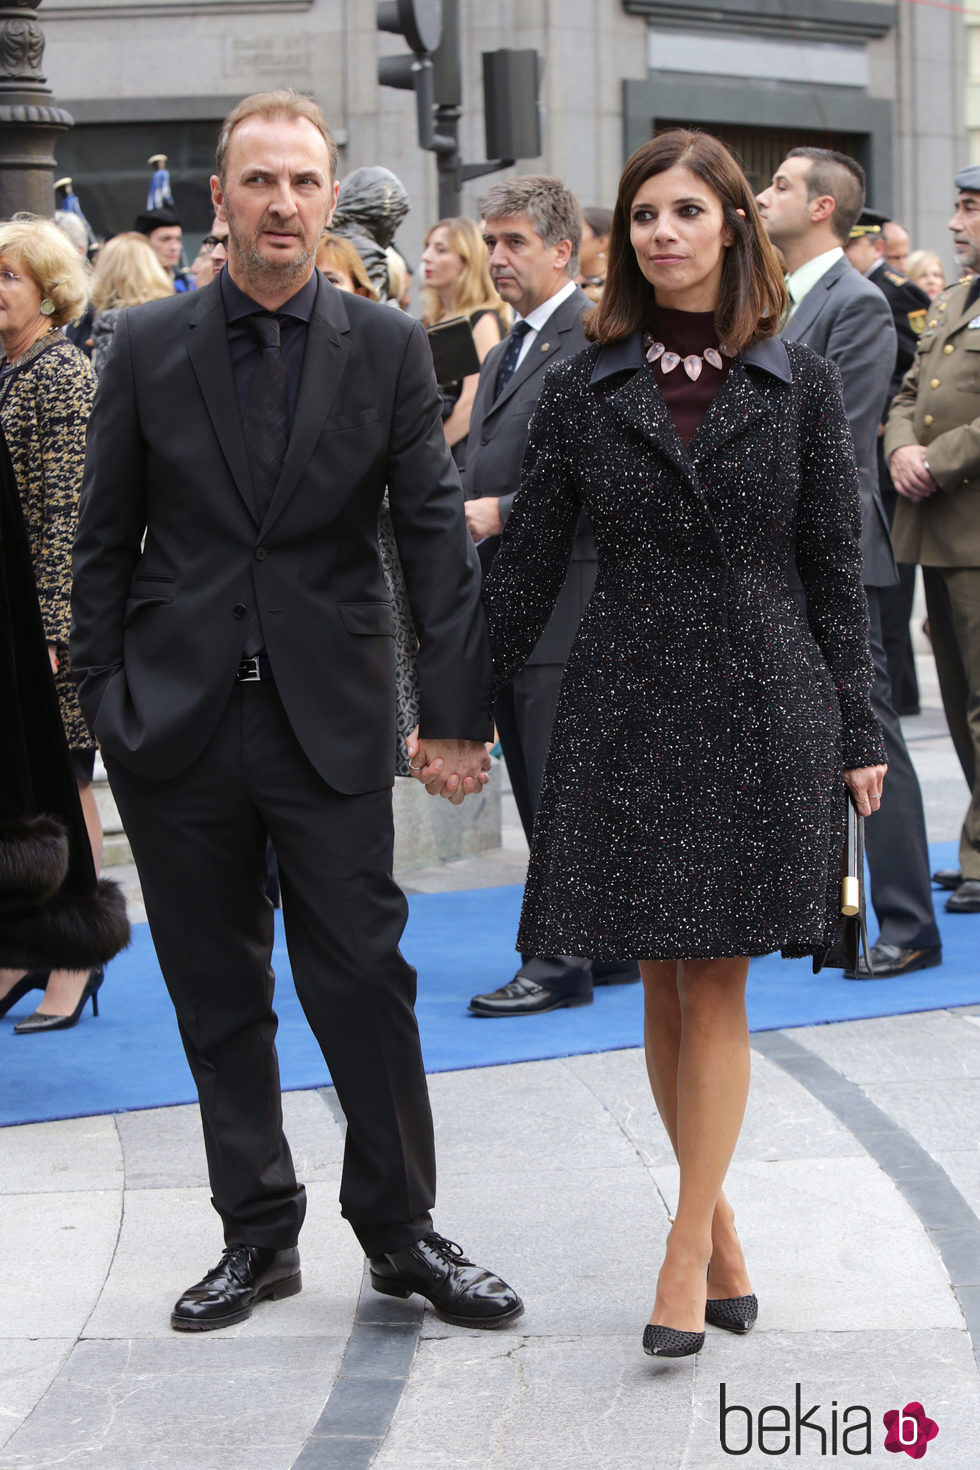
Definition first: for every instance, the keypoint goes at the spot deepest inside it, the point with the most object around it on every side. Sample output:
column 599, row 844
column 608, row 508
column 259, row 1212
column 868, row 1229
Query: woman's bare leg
column 697, row 1050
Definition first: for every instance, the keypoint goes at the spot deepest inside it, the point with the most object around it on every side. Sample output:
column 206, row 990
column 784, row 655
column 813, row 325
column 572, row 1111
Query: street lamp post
column 29, row 119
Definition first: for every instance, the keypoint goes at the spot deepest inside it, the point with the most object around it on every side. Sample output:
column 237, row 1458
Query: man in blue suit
column 814, row 200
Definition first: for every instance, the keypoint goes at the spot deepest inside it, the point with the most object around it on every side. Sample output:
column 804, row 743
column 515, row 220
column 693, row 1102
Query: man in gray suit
column 533, row 230
column 809, row 209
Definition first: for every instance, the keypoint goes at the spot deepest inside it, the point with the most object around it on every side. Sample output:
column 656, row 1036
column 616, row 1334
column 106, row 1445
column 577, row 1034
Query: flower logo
column 909, row 1429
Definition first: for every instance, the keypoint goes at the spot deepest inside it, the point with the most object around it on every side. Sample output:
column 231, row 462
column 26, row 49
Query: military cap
column 969, row 178
column 870, row 222
column 156, row 219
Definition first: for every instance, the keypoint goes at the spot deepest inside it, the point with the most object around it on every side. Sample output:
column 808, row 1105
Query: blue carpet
column 462, row 944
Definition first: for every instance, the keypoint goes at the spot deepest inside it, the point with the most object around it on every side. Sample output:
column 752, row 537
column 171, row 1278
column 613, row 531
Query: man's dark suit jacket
column 847, row 319
column 910, row 305
column 495, row 450
column 158, row 631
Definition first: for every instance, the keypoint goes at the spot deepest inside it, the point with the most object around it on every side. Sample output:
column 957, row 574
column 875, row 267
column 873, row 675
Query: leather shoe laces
column 450, row 1252
column 460, row 1291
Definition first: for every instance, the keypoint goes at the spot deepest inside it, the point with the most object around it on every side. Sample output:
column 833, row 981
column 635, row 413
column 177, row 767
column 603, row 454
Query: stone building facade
column 886, row 81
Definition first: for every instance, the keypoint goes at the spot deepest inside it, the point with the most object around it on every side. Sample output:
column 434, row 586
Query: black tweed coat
column 693, row 803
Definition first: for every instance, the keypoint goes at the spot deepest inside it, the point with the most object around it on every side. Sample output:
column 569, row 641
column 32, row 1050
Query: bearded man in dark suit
column 233, row 645
column 815, row 198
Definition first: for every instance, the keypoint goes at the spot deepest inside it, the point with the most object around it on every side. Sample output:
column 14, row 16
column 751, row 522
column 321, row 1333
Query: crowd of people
column 668, row 586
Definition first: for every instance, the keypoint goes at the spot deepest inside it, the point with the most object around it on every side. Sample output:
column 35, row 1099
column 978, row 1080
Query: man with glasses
column 216, row 244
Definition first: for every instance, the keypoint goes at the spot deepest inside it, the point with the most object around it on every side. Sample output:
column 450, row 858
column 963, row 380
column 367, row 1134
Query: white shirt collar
column 537, row 318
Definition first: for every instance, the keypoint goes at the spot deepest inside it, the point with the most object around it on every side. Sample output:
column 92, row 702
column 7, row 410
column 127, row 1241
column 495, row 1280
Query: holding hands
column 450, row 768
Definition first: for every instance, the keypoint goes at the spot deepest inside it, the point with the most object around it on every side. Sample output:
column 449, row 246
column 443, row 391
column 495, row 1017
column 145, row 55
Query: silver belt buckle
column 248, row 671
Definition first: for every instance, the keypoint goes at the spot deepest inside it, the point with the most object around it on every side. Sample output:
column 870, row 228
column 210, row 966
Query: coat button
column 239, row 610
column 260, row 553
column 934, row 383
column 928, row 420
column 484, row 438
column 948, row 348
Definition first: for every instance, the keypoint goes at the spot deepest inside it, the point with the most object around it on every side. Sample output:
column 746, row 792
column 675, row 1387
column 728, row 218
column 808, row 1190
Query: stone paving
column 857, row 1189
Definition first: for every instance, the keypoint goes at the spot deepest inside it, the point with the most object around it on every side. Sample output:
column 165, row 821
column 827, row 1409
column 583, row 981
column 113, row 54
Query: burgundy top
column 686, row 332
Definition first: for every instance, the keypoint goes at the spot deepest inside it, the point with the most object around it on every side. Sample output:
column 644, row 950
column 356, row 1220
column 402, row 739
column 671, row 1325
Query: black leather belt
column 251, row 670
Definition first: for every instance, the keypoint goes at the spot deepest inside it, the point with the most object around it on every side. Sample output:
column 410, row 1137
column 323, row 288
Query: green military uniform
column 938, row 406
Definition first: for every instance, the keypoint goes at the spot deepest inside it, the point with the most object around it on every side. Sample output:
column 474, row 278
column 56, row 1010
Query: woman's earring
column 47, row 307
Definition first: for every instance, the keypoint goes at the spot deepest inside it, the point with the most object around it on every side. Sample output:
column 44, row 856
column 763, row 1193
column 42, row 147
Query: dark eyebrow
column 677, row 203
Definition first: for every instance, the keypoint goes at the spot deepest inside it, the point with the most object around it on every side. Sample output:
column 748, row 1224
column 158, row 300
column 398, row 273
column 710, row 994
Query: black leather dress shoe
column 950, row 878
column 524, row 997
column 966, row 899
column 616, row 973
column 889, row 960
column 246, row 1274
column 461, row 1293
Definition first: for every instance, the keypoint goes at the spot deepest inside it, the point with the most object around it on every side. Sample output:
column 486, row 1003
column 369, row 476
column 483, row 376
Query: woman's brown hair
column 753, row 297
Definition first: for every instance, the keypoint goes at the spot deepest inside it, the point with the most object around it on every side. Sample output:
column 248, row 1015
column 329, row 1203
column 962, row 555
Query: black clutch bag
column 852, row 939
column 454, row 353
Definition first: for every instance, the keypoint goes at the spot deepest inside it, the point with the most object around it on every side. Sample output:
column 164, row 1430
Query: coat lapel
column 814, row 302
column 207, row 348
column 327, row 349
column 737, row 407
column 637, row 402
column 965, row 315
column 544, row 347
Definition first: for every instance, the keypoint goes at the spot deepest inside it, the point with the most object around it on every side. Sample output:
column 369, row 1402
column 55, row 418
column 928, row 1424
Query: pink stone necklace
column 693, row 363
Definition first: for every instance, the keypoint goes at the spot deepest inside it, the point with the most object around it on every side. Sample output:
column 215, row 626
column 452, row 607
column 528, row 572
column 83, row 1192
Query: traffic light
column 420, row 22
column 511, row 81
column 431, row 69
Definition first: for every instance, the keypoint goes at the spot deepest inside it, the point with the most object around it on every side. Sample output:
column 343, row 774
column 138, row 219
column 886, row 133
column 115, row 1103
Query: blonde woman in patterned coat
column 694, row 798
column 46, row 393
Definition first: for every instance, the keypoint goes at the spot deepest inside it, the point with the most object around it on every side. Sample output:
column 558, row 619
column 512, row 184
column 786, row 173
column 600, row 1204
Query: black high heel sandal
column 39, row 1022
column 33, row 980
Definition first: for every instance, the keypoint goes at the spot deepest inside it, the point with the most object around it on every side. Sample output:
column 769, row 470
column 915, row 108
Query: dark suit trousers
column 895, row 603
column 524, row 714
column 895, row 836
column 199, row 842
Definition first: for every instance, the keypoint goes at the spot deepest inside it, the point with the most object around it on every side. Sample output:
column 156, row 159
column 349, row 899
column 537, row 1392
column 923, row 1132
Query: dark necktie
column 508, row 363
column 267, row 413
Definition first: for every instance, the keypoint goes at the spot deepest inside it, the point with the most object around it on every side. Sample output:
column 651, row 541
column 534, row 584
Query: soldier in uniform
column 932, row 443
column 909, row 304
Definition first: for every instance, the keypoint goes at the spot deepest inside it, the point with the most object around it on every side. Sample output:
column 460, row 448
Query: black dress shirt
column 295, row 315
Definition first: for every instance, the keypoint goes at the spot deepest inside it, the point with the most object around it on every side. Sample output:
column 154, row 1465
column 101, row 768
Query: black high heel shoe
column 667, row 1342
column 39, row 1022
column 33, row 980
column 734, row 1313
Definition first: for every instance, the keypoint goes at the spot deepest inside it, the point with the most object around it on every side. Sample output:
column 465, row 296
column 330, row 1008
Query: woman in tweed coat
column 694, row 799
column 46, row 391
